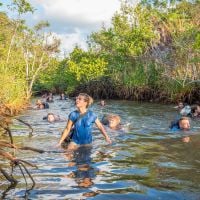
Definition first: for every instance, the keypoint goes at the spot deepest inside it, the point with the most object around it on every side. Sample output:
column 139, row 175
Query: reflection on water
column 84, row 172
column 146, row 162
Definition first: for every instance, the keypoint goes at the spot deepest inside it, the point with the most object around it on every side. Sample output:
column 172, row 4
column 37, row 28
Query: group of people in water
column 192, row 111
column 78, row 130
column 80, row 122
column 185, row 114
column 77, row 135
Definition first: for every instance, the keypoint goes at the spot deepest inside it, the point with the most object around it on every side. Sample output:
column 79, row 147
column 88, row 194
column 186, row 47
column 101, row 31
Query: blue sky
column 71, row 20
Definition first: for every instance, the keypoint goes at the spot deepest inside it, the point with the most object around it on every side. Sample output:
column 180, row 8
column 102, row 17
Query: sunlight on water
column 147, row 161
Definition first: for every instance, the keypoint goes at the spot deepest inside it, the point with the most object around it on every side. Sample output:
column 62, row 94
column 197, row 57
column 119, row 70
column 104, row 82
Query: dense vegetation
column 150, row 52
column 24, row 54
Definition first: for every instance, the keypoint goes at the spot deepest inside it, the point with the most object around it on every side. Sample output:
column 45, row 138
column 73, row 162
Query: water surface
column 147, row 162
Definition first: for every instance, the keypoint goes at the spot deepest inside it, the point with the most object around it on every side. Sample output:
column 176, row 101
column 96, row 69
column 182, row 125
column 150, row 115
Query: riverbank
column 107, row 89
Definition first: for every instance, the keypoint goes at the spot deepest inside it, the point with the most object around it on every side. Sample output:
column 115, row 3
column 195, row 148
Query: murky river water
column 147, row 162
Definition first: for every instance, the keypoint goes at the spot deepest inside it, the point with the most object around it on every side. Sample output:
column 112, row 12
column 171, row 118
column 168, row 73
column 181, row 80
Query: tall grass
column 12, row 93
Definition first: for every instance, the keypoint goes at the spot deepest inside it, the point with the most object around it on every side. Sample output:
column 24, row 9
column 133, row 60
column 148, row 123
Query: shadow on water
column 147, row 162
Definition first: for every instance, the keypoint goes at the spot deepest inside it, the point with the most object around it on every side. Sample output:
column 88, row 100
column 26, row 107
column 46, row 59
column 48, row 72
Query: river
column 146, row 162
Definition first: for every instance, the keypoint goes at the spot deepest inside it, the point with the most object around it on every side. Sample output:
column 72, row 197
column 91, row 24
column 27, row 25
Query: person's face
column 102, row 103
column 80, row 101
column 180, row 105
column 41, row 106
column 184, row 124
column 51, row 118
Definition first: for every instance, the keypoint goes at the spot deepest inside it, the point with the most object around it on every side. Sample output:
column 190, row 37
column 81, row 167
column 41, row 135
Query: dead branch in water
column 27, row 124
column 9, row 132
column 14, row 161
column 4, row 143
column 7, row 176
column 32, row 149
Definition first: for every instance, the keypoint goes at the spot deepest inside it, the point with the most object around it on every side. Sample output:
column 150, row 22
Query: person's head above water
column 51, row 117
column 112, row 121
column 195, row 110
column 38, row 102
column 102, row 103
column 184, row 123
column 83, row 100
column 180, row 105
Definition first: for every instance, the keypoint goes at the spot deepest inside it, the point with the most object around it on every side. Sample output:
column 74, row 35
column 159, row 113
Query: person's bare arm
column 66, row 131
column 103, row 131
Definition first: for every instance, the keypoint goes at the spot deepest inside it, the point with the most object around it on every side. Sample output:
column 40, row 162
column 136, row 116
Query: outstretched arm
column 66, row 131
column 103, row 131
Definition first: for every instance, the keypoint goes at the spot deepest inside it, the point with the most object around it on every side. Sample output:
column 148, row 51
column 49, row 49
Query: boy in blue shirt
column 182, row 124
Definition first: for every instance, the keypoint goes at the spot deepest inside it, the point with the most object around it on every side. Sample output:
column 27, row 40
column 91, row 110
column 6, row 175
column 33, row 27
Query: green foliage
column 144, row 74
column 197, row 41
column 168, row 28
column 21, row 6
column 129, row 38
column 154, row 75
column 24, row 54
column 155, row 44
column 12, row 92
column 55, row 77
column 46, row 79
column 176, row 90
column 86, row 66
column 136, row 78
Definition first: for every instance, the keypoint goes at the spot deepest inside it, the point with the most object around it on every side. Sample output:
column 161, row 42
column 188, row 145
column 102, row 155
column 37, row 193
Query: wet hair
column 183, row 118
column 46, row 117
column 49, row 114
column 87, row 98
column 106, row 119
column 38, row 102
column 194, row 108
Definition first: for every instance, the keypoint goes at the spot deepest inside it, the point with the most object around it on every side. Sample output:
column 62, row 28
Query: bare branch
column 7, row 176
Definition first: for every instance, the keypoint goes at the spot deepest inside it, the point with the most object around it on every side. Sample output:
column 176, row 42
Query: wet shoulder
column 74, row 115
column 91, row 115
column 175, row 128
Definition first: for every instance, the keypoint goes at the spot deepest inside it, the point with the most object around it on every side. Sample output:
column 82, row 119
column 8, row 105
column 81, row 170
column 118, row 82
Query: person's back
column 183, row 108
column 186, row 111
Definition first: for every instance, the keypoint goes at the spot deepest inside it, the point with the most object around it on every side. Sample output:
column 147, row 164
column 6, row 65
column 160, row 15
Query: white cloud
column 80, row 11
column 72, row 20
column 69, row 41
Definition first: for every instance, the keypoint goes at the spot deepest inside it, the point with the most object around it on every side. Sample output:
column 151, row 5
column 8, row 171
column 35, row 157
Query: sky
column 72, row 20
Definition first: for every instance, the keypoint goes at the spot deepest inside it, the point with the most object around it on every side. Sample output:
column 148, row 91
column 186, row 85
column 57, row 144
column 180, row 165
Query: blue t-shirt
column 175, row 128
column 82, row 133
column 175, row 125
